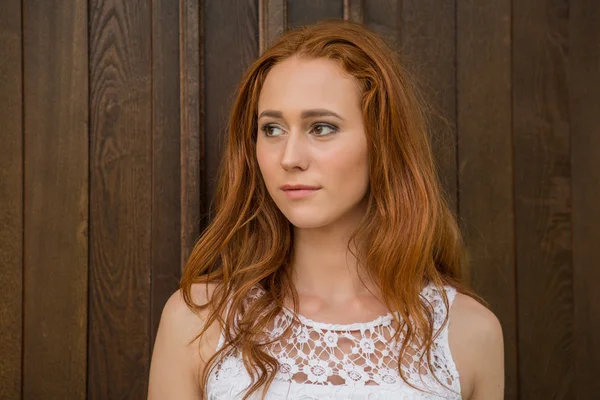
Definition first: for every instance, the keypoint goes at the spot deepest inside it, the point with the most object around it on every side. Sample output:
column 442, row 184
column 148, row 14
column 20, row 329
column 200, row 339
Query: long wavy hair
column 408, row 236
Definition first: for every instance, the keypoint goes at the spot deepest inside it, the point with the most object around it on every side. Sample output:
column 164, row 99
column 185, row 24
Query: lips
column 299, row 187
column 300, row 192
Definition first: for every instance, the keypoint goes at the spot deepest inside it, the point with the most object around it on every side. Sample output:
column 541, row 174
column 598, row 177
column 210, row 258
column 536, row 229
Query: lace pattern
column 353, row 361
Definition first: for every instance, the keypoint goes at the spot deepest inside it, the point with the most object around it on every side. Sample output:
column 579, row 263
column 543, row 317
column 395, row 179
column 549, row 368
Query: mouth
column 299, row 193
column 299, row 187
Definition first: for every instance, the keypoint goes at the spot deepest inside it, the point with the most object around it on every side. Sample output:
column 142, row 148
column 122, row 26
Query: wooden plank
column 543, row 199
column 229, row 50
column 485, row 160
column 166, row 165
column 11, row 201
column 429, row 51
column 354, row 9
column 193, row 177
column 584, row 53
column 310, row 11
column 120, row 199
column 272, row 21
column 381, row 16
column 56, row 199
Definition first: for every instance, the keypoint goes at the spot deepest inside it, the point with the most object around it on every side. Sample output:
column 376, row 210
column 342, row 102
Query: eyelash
column 333, row 128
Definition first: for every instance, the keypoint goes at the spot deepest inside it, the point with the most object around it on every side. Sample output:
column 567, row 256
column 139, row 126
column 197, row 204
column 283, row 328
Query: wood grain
column 228, row 51
column 272, row 21
column 485, row 162
column 56, row 199
column 310, row 11
column 428, row 32
column 11, row 200
column 354, row 10
column 166, row 164
column 120, row 199
column 543, row 199
column 383, row 17
column 584, row 54
column 194, row 197
column 517, row 86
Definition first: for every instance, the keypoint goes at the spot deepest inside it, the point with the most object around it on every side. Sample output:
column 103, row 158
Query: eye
column 268, row 129
column 322, row 129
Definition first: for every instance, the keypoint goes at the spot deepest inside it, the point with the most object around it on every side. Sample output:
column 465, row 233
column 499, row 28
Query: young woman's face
column 311, row 132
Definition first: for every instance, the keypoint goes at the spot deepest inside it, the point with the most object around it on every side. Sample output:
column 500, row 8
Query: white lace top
column 354, row 361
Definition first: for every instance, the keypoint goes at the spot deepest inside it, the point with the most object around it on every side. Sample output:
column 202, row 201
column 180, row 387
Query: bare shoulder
column 475, row 318
column 178, row 354
column 477, row 346
column 178, row 316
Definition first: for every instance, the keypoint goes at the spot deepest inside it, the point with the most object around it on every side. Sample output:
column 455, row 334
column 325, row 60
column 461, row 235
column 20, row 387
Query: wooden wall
column 112, row 116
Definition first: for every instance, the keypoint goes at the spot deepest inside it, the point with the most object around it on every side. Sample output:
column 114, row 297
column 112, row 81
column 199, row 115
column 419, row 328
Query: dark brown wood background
column 112, row 115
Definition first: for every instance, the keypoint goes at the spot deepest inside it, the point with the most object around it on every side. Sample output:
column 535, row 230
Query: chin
column 309, row 220
column 305, row 225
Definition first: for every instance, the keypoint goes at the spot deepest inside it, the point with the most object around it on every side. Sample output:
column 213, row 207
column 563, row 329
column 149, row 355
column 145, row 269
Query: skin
column 330, row 152
column 322, row 151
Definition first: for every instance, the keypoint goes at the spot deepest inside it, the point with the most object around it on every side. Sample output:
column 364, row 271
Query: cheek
column 265, row 162
column 347, row 166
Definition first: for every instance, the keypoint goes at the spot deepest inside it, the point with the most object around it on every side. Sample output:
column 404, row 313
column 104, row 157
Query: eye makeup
column 267, row 128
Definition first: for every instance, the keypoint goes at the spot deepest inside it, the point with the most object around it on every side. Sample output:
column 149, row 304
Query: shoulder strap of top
column 253, row 294
column 443, row 342
column 221, row 341
column 434, row 297
column 451, row 294
column 441, row 349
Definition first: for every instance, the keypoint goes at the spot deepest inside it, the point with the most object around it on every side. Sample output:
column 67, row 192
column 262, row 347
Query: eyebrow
column 318, row 112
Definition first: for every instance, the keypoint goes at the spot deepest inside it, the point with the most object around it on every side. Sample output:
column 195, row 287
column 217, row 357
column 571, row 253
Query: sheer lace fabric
column 352, row 361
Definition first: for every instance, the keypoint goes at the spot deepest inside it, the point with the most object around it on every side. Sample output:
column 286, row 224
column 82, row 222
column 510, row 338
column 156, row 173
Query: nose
column 295, row 152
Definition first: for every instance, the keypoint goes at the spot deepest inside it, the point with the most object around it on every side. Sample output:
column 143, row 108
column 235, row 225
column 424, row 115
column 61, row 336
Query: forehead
column 308, row 83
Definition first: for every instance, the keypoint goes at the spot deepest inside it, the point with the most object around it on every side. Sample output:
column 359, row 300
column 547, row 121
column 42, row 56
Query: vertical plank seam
column 574, row 326
column 348, row 8
column 284, row 8
column 182, row 129
column 514, row 204
column 284, row 11
column 89, row 206
column 201, row 159
column 456, row 130
column 23, row 208
column 261, row 25
column 149, row 321
column 189, row 128
column 267, row 34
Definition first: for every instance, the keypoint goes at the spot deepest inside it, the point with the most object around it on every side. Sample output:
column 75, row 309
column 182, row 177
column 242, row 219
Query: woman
column 332, row 261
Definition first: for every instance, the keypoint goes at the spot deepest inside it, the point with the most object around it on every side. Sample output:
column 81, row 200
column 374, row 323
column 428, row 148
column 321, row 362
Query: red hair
column 408, row 236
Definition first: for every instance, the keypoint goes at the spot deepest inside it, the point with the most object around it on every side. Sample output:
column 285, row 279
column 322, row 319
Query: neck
column 324, row 267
